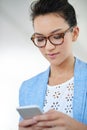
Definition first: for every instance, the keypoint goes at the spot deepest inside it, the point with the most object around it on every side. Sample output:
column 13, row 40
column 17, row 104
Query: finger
column 47, row 123
column 21, row 128
column 26, row 123
column 54, row 128
column 37, row 128
column 51, row 115
column 52, row 123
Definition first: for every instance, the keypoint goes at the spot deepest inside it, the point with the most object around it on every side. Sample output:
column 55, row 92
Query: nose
column 49, row 45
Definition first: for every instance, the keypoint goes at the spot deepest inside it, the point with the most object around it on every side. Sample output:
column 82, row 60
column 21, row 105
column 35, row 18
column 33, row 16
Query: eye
column 58, row 36
column 40, row 39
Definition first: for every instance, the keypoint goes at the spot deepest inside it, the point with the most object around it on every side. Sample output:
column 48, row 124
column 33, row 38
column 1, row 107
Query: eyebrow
column 50, row 32
column 56, row 30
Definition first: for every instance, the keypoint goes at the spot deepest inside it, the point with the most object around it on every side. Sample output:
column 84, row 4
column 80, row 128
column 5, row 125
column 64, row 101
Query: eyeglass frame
column 48, row 38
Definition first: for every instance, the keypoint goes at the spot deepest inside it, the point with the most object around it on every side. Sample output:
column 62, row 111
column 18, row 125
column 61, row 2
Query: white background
column 19, row 59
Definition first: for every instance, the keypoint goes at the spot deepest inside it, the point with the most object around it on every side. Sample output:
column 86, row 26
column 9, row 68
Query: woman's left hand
column 54, row 120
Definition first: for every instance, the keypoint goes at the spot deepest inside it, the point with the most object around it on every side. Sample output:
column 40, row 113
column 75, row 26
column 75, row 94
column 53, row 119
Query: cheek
column 67, row 45
column 42, row 50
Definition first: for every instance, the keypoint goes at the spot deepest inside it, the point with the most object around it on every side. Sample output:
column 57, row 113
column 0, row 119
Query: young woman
column 60, row 91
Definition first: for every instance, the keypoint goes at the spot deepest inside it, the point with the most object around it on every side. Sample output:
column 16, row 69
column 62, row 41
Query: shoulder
column 29, row 88
column 39, row 76
column 35, row 80
column 80, row 71
column 81, row 61
column 81, row 65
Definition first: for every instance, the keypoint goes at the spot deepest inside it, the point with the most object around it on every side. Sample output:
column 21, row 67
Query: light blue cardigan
column 32, row 91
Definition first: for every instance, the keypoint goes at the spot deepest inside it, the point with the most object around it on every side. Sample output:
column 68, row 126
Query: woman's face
column 50, row 24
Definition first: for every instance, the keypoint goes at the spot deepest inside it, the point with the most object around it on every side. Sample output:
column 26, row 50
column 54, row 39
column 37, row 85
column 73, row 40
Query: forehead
column 45, row 24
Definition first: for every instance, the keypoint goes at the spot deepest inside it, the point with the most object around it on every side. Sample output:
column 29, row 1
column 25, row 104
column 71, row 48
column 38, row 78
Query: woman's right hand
column 27, row 124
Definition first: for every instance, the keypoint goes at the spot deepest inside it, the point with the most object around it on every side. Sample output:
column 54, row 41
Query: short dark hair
column 61, row 7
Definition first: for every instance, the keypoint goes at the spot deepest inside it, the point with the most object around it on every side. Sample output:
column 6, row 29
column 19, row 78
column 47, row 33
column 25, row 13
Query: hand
column 54, row 120
column 27, row 124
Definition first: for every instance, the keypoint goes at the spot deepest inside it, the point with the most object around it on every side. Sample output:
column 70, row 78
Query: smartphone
column 27, row 112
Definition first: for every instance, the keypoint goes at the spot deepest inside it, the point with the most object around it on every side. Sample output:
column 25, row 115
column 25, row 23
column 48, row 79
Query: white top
column 60, row 97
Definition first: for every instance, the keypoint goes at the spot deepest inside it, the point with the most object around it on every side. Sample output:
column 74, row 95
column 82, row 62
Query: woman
column 60, row 91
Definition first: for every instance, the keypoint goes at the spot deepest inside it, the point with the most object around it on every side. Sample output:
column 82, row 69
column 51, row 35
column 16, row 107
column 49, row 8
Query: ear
column 75, row 33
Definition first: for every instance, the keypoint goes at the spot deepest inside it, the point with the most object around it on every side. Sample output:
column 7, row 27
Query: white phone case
column 27, row 112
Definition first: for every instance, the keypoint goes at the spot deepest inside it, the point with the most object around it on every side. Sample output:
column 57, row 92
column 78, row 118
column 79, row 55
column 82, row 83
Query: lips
column 53, row 55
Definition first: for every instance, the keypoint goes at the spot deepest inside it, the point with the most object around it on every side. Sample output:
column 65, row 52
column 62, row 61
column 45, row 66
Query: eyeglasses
column 55, row 39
